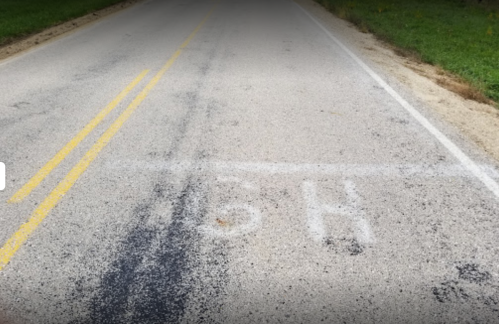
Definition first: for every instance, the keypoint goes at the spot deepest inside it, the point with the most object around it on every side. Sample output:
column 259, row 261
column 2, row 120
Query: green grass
column 20, row 18
column 459, row 36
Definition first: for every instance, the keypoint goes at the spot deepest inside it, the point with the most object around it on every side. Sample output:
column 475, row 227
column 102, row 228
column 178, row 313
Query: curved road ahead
column 234, row 162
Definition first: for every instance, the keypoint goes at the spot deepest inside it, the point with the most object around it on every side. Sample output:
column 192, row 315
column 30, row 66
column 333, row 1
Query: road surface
column 234, row 162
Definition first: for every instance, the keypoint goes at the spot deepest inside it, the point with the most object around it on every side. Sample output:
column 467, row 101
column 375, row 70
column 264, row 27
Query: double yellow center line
column 61, row 155
column 21, row 235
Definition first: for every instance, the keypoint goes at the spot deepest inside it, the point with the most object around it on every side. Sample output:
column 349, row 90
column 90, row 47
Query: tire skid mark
column 157, row 269
column 151, row 278
column 131, row 292
column 160, row 272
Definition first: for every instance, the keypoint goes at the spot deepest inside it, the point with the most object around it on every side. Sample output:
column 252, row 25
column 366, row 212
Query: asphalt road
column 234, row 162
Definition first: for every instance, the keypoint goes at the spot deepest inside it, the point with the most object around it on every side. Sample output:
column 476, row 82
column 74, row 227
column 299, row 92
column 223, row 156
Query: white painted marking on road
column 456, row 151
column 226, row 228
column 490, row 171
column 245, row 184
column 316, row 209
column 314, row 220
column 348, row 170
column 364, row 234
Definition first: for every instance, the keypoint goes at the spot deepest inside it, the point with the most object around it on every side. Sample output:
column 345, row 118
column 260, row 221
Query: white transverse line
column 456, row 151
column 360, row 170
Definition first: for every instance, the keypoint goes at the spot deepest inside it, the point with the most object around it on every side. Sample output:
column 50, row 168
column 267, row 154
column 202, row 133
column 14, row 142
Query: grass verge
column 459, row 36
column 20, row 18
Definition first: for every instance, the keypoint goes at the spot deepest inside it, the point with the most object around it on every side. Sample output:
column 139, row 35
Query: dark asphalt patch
column 153, row 274
column 344, row 245
column 157, row 270
column 354, row 247
column 472, row 288
column 449, row 291
column 470, row 272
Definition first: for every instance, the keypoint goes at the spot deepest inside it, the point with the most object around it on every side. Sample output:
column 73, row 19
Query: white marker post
column 2, row 176
column 316, row 209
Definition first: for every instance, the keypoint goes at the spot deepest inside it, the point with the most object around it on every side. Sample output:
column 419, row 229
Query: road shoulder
column 478, row 121
column 26, row 43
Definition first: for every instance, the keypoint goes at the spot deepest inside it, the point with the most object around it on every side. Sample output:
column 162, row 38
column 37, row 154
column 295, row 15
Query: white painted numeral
column 255, row 216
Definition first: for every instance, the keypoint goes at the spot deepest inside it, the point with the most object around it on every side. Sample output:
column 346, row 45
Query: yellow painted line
column 61, row 155
column 22, row 234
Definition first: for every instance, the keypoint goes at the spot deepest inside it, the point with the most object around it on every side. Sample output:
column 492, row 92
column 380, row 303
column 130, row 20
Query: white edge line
column 456, row 151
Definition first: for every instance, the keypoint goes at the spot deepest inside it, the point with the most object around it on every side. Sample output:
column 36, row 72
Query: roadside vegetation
column 19, row 18
column 459, row 36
